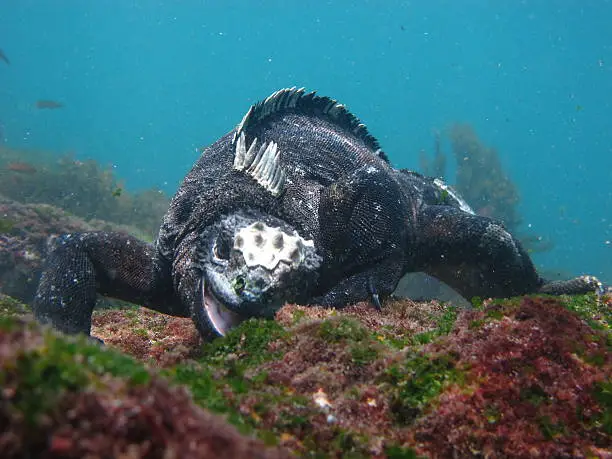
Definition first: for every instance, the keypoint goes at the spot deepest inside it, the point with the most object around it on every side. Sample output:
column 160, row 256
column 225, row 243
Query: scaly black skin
column 370, row 223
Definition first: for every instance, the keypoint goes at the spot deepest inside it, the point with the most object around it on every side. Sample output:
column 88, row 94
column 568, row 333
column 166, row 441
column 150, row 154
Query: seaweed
column 482, row 181
column 83, row 188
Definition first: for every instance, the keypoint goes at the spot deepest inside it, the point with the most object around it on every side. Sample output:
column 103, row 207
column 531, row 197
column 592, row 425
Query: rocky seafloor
column 522, row 377
column 525, row 377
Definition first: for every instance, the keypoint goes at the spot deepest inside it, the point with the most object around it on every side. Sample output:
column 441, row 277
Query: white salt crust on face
column 263, row 245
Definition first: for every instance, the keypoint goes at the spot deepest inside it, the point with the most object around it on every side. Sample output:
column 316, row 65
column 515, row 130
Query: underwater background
column 142, row 85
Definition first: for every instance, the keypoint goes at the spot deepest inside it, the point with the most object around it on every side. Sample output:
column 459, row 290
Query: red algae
column 151, row 337
column 530, row 388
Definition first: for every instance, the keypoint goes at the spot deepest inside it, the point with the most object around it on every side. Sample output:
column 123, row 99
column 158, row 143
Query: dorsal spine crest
column 298, row 101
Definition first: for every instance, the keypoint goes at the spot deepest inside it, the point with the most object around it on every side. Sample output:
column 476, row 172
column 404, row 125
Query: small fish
column 579, row 108
column 117, row 192
column 21, row 167
column 50, row 104
column 3, row 57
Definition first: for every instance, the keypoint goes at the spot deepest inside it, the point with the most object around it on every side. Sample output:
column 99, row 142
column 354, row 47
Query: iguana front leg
column 363, row 230
column 474, row 255
column 477, row 257
column 81, row 265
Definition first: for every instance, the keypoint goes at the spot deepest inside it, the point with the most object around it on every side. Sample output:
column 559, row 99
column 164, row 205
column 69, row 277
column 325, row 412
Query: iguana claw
column 376, row 302
column 374, row 293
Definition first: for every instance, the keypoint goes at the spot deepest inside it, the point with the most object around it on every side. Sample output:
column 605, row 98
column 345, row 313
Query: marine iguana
column 297, row 203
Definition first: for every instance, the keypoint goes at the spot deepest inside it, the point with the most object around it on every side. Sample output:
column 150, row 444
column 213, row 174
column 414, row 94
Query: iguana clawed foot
column 578, row 285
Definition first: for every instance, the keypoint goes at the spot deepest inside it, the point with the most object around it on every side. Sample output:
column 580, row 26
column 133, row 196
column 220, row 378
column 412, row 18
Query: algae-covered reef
column 71, row 399
column 523, row 377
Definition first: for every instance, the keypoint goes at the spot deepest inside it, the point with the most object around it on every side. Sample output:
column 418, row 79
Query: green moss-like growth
column 443, row 325
column 359, row 342
column 597, row 312
column 49, row 366
column 11, row 307
column 63, row 357
column 6, row 225
column 413, row 384
column 218, row 379
column 341, row 329
column 69, row 397
column 603, row 393
column 249, row 342
column 397, row 452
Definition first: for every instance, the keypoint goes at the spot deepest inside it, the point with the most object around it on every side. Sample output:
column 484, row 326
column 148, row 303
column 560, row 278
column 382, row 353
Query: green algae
column 416, row 382
column 398, row 452
column 6, row 225
column 477, row 302
column 444, row 324
column 211, row 392
column 364, row 353
column 336, row 330
column 218, row 379
column 250, row 341
column 596, row 312
column 58, row 365
column 603, row 394
column 550, row 429
column 362, row 345
column 494, row 314
column 9, row 307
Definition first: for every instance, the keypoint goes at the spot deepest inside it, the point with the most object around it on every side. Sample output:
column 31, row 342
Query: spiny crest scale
column 262, row 164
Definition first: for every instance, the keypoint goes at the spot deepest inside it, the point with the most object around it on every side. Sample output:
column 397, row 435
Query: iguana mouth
column 220, row 317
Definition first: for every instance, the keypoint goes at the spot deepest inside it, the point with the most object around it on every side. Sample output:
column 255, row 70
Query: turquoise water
column 146, row 82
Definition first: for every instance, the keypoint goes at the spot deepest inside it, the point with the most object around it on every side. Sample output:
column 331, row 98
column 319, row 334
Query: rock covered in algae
column 69, row 398
column 523, row 377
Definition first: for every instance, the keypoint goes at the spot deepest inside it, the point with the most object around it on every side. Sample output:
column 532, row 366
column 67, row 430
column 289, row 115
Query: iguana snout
column 251, row 265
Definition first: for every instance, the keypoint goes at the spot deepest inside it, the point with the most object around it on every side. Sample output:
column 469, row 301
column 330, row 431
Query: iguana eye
column 239, row 284
column 222, row 249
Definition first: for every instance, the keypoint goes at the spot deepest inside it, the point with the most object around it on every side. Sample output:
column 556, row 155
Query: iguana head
column 251, row 265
